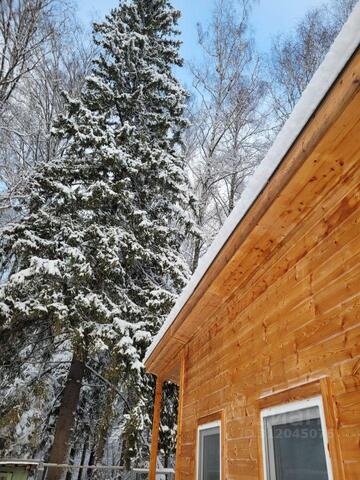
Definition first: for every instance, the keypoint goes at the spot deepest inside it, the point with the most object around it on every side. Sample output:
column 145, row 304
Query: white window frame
column 207, row 426
column 295, row 407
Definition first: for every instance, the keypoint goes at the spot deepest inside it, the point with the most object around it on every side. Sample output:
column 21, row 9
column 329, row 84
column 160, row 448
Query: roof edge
column 344, row 46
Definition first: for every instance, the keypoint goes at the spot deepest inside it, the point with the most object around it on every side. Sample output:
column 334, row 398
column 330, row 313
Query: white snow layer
column 340, row 52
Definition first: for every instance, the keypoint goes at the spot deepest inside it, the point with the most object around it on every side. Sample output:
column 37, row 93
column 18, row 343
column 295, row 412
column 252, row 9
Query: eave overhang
column 332, row 89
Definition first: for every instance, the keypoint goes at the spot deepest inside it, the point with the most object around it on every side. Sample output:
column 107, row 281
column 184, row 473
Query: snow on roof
column 340, row 52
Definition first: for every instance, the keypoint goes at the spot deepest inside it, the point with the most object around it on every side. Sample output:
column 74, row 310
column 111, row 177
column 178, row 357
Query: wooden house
column 264, row 342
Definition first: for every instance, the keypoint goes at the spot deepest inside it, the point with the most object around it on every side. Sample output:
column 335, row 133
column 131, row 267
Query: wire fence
column 80, row 472
column 45, row 471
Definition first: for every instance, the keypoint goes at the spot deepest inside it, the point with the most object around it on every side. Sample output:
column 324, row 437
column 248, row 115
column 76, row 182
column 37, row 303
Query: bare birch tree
column 296, row 56
column 228, row 122
column 22, row 34
column 60, row 62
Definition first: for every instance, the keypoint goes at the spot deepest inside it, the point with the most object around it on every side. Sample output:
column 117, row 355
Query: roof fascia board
column 344, row 46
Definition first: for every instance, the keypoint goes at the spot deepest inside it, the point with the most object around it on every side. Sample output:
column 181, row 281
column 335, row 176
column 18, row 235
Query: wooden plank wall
column 293, row 318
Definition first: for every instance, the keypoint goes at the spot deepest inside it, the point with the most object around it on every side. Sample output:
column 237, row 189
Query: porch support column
column 155, row 429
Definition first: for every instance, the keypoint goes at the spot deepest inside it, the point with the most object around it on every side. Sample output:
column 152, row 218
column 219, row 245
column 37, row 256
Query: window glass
column 295, row 446
column 209, row 454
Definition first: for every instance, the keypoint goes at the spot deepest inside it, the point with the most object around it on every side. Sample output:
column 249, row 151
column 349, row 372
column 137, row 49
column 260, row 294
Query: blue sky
column 269, row 18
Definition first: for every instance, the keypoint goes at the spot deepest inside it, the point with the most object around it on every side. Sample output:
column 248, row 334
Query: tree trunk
column 104, row 426
column 66, row 419
column 89, row 471
column 69, row 473
column 232, row 194
column 196, row 254
column 83, row 458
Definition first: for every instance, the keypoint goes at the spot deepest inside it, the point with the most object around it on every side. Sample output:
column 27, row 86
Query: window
column 295, row 442
column 209, row 451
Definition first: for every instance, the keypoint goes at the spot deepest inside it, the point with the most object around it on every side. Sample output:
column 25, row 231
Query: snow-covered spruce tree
column 168, row 428
column 96, row 258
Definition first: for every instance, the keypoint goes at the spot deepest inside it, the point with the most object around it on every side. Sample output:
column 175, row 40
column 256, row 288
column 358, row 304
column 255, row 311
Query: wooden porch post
column 155, row 429
column 180, row 414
